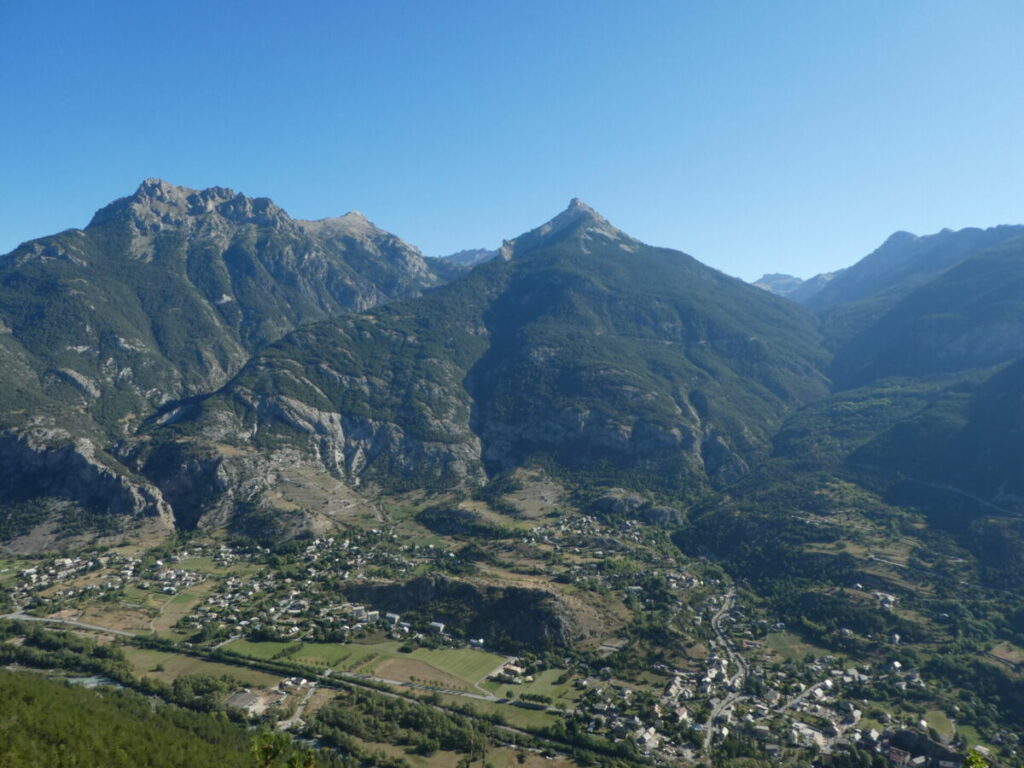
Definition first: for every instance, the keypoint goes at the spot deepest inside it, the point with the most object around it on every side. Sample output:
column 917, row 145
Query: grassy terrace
column 501, row 757
column 518, row 717
column 545, row 684
column 168, row 665
column 790, row 647
column 938, row 720
column 177, row 607
column 208, row 565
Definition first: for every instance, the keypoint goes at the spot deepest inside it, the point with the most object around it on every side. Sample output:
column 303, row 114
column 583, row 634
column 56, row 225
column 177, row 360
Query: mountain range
column 201, row 359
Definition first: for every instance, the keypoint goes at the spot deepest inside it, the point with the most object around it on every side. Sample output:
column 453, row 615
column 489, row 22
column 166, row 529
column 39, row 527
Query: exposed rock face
column 219, row 214
column 200, row 483
column 578, row 222
column 511, row 616
column 52, row 463
column 387, row 417
column 350, row 445
column 619, row 502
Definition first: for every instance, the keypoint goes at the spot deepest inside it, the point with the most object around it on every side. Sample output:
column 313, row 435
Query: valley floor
column 580, row 637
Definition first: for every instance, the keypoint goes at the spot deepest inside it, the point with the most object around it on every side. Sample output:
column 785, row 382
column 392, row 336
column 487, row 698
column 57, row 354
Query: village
column 737, row 694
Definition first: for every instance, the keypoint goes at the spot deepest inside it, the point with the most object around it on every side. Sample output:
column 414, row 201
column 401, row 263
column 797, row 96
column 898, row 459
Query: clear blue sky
column 757, row 136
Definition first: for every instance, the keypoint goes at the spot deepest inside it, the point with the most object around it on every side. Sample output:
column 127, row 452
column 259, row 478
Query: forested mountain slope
column 580, row 347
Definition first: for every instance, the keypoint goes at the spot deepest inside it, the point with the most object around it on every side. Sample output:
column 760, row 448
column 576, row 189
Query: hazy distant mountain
column 905, row 261
column 795, row 288
column 848, row 299
column 778, row 283
column 470, row 257
column 449, row 267
column 971, row 316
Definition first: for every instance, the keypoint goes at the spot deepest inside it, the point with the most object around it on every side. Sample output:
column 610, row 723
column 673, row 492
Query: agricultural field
column 938, row 720
column 172, row 610
column 207, row 565
column 9, row 570
column 167, row 666
column 117, row 616
column 454, row 668
column 409, row 670
column 1009, row 653
column 970, row 734
column 517, row 717
column 345, row 657
column 789, row 647
column 467, row 664
column 501, row 757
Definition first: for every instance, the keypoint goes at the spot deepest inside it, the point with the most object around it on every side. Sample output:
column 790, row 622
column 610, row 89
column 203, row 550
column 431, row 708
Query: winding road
column 737, row 680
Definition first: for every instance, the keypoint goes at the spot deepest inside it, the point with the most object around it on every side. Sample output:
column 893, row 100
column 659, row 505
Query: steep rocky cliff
column 53, row 469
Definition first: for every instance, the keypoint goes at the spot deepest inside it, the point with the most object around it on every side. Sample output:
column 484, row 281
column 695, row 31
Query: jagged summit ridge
column 222, row 214
column 158, row 205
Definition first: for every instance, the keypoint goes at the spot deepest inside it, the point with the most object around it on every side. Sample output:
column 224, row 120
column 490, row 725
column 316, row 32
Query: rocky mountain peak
column 159, row 189
column 157, row 205
column 778, row 283
column 469, row 257
column 578, row 212
column 577, row 220
column 578, row 205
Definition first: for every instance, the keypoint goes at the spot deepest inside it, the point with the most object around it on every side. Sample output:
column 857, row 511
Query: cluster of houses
column 791, row 710
column 172, row 580
column 66, row 578
column 818, row 718
column 63, row 569
column 55, row 579
column 512, row 673
column 787, row 713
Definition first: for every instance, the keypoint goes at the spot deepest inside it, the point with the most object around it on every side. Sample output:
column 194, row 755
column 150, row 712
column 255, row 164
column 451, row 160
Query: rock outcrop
column 49, row 462
column 508, row 617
